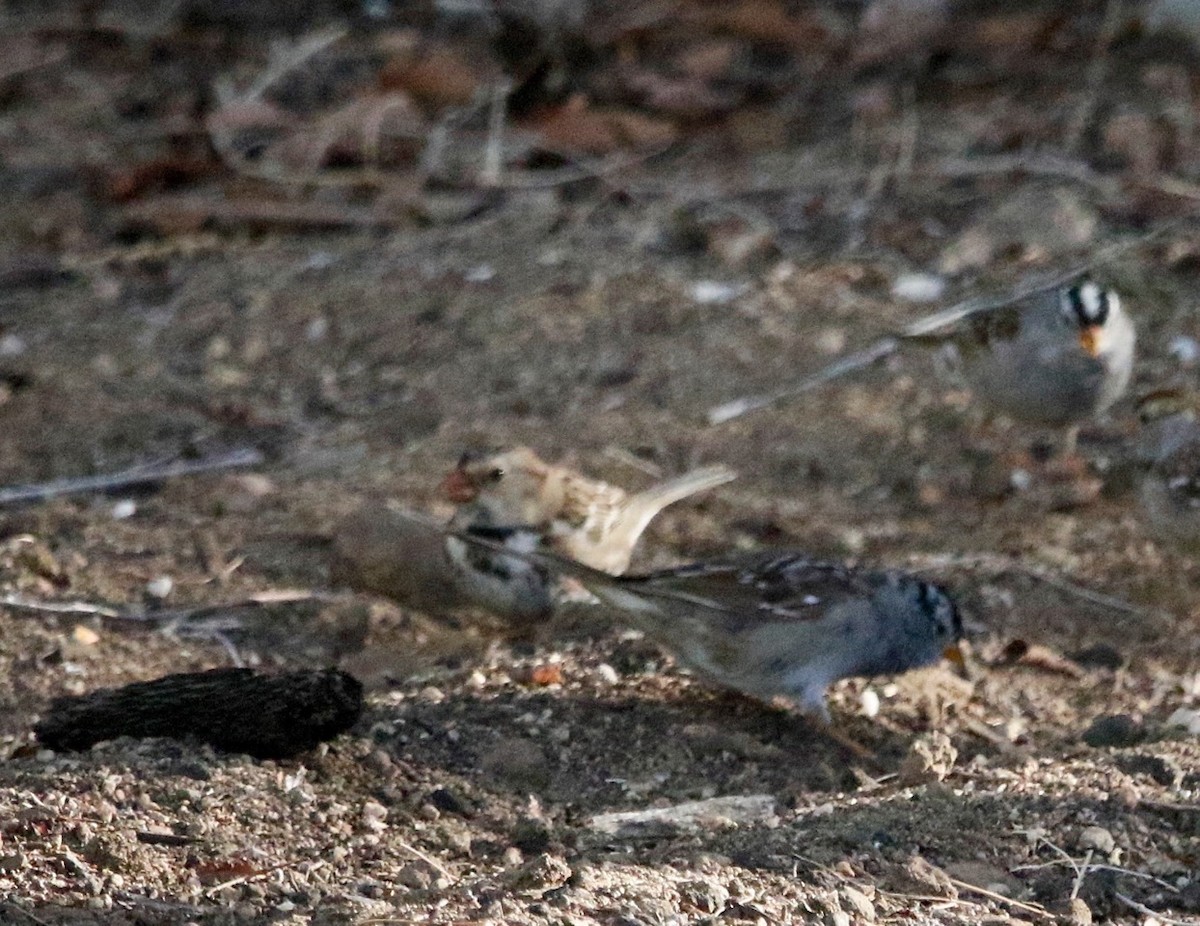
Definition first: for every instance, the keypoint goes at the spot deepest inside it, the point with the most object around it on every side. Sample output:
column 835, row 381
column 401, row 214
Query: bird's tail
column 641, row 508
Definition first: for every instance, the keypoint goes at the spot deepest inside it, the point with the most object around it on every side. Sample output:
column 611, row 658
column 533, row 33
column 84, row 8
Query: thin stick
column 848, row 364
column 33, row 919
column 1000, row 564
column 138, row 475
column 493, row 152
column 1097, row 68
column 174, row 616
column 1115, row 869
column 1151, row 915
column 994, row 895
column 426, row 858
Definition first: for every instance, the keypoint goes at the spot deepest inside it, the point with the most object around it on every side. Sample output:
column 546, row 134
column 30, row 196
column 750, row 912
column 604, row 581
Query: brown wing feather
column 779, row 586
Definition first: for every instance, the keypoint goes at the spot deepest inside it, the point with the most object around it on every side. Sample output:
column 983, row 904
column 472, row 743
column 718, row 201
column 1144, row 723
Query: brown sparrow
column 1170, row 451
column 587, row 520
column 406, row 558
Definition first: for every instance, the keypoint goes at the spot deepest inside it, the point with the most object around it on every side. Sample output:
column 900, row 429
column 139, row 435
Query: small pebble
column 607, row 673
column 1184, row 349
column 1185, row 719
column 869, row 700
column 712, row 292
column 160, row 587
column 919, row 287
column 481, row 273
column 125, row 508
column 1098, row 839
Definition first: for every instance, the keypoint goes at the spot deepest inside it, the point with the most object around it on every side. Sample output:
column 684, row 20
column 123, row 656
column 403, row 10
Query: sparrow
column 1169, row 450
column 589, row 521
column 777, row 624
column 404, row 557
column 1059, row 356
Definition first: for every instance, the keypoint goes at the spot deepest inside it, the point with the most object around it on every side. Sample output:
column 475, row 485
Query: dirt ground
column 588, row 322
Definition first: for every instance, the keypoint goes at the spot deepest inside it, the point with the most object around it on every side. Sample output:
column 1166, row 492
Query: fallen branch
column 1152, row 916
column 138, row 475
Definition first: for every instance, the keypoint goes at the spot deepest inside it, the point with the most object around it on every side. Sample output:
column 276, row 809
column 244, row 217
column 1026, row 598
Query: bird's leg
column 824, row 727
column 811, row 705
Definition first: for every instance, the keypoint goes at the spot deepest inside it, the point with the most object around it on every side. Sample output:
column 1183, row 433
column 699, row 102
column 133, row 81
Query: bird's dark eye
column 495, row 475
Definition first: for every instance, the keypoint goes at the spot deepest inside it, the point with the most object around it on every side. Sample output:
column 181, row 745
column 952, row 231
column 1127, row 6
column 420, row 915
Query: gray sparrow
column 1059, row 356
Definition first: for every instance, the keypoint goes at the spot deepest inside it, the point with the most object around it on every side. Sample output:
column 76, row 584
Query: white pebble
column 481, row 273
column 1186, row 719
column 1020, row 479
column 1185, row 349
column 125, row 508
column 160, row 586
column 870, row 702
column 919, row 287
column 713, row 292
column 12, row 345
column 607, row 673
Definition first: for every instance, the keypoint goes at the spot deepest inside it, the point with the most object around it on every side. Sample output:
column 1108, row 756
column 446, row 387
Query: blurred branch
column 137, row 475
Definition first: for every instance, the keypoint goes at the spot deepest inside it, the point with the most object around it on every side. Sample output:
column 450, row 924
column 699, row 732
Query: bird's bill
column 953, row 653
column 1091, row 339
column 458, row 487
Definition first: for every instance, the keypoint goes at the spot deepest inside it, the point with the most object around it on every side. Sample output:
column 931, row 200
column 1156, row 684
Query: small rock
column 607, row 673
column 125, row 508
column 1113, row 730
column 374, row 816
column 858, row 903
column 931, row 758
column 712, row 292
column 837, row 918
column 869, row 700
column 542, row 874
column 1075, row 913
column 1185, row 349
column 704, row 896
column 417, row 876
column 1185, row 719
column 1098, row 839
column 160, row 587
column 919, row 287
column 84, row 635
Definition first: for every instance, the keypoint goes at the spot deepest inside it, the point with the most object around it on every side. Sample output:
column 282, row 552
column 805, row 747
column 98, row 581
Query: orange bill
column 1090, row 339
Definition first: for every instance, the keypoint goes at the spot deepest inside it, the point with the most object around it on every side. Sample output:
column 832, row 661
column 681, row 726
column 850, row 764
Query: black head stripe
column 1088, row 303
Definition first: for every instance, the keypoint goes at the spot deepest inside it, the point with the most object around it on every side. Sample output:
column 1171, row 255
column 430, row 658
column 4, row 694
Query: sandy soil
column 364, row 363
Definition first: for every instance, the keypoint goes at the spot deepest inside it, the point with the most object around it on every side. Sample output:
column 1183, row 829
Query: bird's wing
column 780, row 587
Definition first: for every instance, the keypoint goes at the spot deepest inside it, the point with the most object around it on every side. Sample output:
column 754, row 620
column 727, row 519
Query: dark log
column 235, row 710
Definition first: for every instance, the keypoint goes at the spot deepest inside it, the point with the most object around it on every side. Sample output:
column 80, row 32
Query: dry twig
column 137, row 475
